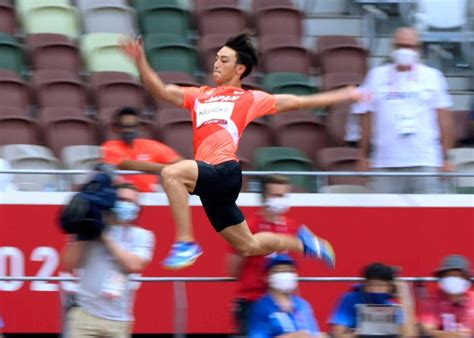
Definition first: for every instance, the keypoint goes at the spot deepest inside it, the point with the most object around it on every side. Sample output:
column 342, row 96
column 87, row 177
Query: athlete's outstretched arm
column 170, row 93
column 288, row 102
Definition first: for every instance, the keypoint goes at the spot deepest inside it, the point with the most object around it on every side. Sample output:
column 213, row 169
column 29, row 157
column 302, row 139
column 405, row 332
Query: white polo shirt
column 405, row 127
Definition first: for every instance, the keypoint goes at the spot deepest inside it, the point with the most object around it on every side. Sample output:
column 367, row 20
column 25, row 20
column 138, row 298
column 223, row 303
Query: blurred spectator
column 449, row 312
column 250, row 271
column 406, row 120
column 280, row 313
column 6, row 180
column 134, row 153
column 378, row 288
column 105, row 295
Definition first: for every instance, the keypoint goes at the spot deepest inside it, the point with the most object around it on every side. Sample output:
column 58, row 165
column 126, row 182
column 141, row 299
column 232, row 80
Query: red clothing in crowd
column 439, row 311
column 252, row 283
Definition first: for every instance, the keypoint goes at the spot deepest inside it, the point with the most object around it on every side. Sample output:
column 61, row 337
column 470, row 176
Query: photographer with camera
column 107, row 257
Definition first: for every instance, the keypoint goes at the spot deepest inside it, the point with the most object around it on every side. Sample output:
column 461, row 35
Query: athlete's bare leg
column 179, row 179
column 262, row 243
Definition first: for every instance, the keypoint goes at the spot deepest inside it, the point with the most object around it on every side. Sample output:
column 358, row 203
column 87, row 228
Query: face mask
column 126, row 211
column 454, row 285
column 128, row 136
column 283, row 281
column 278, row 205
column 405, row 56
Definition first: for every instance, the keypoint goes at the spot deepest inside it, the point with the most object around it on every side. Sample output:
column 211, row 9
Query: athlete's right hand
column 133, row 48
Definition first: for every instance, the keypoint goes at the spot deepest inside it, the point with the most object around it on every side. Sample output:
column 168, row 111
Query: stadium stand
column 101, row 53
column 18, row 129
column 11, row 53
column 302, row 130
column 77, row 70
column 27, row 156
column 164, row 17
column 53, row 51
column 116, row 89
column 80, row 157
column 7, row 17
column 286, row 159
column 14, row 92
column 174, row 128
column 59, row 88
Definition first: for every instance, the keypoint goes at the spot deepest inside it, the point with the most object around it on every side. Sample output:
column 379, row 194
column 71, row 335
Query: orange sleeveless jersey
column 220, row 115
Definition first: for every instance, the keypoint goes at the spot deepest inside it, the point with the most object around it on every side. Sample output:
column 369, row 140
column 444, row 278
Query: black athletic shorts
column 218, row 187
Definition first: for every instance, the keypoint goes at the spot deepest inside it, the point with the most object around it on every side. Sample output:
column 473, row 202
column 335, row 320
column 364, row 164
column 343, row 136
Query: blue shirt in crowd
column 268, row 320
column 346, row 312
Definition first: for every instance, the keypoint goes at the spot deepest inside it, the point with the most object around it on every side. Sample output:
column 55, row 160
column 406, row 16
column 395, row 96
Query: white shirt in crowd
column 104, row 289
column 405, row 128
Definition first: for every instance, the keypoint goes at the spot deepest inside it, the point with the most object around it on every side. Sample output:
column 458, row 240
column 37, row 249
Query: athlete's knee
column 169, row 174
column 249, row 248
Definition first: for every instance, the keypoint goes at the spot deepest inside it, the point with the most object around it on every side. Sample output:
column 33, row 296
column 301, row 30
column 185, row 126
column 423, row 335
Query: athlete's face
column 226, row 68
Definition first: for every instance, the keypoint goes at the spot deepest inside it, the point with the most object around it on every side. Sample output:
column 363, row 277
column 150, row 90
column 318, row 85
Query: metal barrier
column 260, row 173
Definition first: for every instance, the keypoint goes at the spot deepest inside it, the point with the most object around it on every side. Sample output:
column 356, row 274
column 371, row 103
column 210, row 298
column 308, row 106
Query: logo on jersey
column 222, row 98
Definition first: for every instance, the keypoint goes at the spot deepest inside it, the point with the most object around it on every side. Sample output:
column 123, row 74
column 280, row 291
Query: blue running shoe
column 316, row 247
column 182, row 254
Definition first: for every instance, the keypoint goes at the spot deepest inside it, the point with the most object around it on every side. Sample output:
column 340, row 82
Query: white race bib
column 213, row 112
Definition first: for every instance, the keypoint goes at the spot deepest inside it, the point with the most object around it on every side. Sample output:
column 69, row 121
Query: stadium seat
column 13, row 111
column 59, row 132
column 463, row 160
column 278, row 19
column 14, row 92
column 170, row 53
column 53, row 51
column 116, row 89
column 208, row 46
column 301, row 130
column 175, row 129
column 340, row 79
column 102, row 53
column 461, row 127
column 7, row 17
column 258, row 5
column 179, row 78
column 257, row 134
column 51, row 113
column 83, row 5
column 11, row 53
column 336, row 123
column 24, row 5
column 341, row 54
column 109, row 18
column 341, row 159
column 162, row 16
column 80, row 157
column 284, row 53
column 18, row 129
column 288, row 83
column 285, row 159
column 221, row 18
column 51, row 18
column 34, row 157
column 59, row 88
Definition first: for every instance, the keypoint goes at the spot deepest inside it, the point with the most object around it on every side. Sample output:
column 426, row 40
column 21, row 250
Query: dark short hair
column 126, row 185
column 273, row 179
column 246, row 52
column 124, row 112
column 379, row 271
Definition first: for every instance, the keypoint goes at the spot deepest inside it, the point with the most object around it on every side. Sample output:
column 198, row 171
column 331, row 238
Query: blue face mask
column 377, row 298
column 126, row 211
